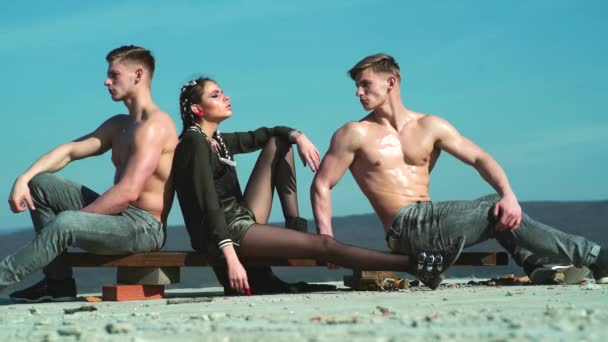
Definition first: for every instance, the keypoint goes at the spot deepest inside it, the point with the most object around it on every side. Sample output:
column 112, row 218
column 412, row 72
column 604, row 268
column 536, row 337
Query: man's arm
column 147, row 149
column 338, row 159
column 449, row 139
column 95, row 143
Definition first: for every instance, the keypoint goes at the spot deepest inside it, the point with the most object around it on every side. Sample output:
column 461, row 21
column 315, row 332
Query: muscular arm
column 450, row 140
column 338, row 159
column 95, row 143
column 147, row 149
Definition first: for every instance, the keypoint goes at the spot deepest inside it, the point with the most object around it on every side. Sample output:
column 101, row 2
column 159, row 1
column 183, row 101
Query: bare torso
column 392, row 167
column 157, row 194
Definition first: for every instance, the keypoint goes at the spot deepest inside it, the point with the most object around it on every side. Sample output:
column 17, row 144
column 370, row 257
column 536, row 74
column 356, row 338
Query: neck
column 139, row 104
column 393, row 112
column 208, row 127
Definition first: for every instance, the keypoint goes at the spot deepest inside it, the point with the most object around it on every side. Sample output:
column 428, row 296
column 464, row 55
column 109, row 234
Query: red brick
column 132, row 292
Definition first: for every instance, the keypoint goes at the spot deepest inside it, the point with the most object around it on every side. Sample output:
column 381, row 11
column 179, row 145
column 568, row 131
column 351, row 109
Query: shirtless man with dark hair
column 391, row 153
column 129, row 217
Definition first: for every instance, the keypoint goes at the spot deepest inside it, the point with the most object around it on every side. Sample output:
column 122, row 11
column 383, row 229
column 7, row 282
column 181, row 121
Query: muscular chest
column 122, row 145
column 394, row 150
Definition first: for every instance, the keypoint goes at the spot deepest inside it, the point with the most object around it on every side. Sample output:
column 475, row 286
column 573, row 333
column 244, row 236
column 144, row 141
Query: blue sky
column 524, row 80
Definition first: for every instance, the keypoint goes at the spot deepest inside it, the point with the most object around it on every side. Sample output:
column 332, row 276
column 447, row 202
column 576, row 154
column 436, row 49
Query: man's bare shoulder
column 114, row 124
column 118, row 119
column 431, row 121
column 351, row 131
column 160, row 122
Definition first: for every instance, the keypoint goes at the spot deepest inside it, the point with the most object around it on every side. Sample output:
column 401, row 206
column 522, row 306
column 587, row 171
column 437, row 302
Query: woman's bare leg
column 274, row 169
column 267, row 241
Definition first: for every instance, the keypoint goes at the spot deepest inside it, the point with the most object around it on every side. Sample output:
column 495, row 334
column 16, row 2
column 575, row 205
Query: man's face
column 372, row 89
column 120, row 80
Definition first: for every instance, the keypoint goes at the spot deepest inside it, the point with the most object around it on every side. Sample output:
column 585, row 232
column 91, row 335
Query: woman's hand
column 308, row 152
column 237, row 276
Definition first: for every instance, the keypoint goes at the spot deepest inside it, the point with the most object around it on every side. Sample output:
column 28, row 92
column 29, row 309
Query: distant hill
column 589, row 219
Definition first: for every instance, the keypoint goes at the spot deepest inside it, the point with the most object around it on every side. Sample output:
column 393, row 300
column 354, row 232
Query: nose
column 359, row 91
column 106, row 82
column 226, row 98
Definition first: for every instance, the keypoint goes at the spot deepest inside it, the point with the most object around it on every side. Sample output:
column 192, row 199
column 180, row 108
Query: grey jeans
column 432, row 226
column 59, row 224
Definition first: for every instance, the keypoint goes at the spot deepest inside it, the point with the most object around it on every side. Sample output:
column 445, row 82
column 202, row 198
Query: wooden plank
column 195, row 259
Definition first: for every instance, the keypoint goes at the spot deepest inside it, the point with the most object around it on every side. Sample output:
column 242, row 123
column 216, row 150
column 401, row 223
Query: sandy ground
column 454, row 312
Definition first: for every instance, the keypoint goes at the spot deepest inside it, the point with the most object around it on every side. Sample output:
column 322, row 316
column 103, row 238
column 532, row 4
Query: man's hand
column 308, row 152
column 20, row 198
column 508, row 213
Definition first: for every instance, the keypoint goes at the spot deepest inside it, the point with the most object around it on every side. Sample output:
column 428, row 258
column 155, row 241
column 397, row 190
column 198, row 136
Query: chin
column 116, row 98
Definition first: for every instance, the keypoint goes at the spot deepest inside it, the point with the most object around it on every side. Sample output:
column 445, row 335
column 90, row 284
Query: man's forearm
column 492, row 173
column 53, row 161
column 113, row 201
column 321, row 206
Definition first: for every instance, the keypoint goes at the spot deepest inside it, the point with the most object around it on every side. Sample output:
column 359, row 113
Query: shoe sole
column 568, row 275
column 603, row 280
column 44, row 299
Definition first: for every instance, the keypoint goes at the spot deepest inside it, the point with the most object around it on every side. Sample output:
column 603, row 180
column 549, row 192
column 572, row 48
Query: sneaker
column 558, row 274
column 600, row 268
column 296, row 223
column 431, row 264
column 47, row 290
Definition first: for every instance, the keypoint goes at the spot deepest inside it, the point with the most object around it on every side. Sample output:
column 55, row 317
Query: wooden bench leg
column 375, row 281
column 148, row 275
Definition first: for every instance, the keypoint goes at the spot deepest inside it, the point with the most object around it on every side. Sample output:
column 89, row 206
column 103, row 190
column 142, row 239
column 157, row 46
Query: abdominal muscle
column 390, row 189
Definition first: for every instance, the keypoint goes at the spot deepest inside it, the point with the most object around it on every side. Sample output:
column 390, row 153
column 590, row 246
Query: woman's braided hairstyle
column 190, row 94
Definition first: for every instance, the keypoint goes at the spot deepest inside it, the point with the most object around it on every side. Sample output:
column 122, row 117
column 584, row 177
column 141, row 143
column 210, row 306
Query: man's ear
column 139, row 74
column 391, row 80
column 197, row 110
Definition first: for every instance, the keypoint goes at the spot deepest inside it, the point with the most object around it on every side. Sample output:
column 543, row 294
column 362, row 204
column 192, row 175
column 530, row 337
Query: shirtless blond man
column 391, row 153
column 129, row 217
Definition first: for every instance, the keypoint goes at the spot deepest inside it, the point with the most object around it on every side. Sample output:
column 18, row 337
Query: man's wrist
column 23, row 179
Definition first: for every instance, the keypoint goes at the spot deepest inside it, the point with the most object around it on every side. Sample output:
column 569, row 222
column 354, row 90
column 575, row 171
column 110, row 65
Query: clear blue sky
column 526, row 80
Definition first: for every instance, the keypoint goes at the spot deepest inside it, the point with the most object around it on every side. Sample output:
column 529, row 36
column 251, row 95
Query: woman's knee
column 279, row 146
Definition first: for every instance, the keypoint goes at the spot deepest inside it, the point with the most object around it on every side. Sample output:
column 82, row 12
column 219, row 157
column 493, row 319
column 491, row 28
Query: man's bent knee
column 41, row 179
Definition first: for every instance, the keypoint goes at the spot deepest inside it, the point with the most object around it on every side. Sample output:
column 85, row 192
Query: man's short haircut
column 380, row 62
column 134, row 54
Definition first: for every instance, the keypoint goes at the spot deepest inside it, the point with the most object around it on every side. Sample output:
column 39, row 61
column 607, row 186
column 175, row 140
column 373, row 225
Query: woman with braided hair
column 221, row 220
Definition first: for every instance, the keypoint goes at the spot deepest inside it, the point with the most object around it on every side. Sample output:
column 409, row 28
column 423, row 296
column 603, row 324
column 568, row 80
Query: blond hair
column 135, row 54
column 379, row 62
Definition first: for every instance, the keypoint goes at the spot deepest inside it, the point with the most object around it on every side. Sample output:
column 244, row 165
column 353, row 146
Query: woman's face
column 214, row 103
